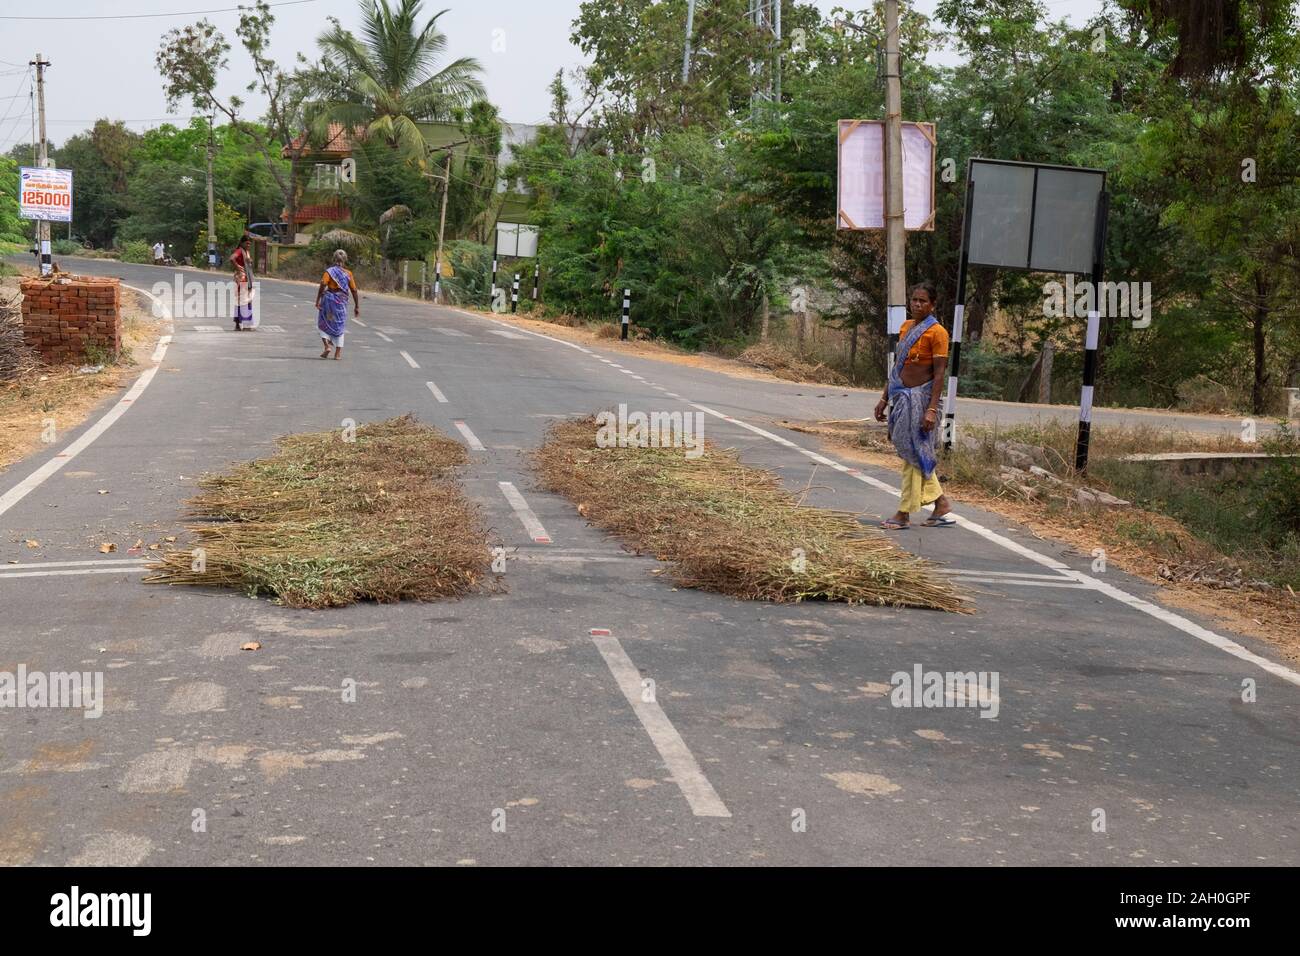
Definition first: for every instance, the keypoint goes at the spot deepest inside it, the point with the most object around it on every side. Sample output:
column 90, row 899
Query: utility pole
column 442, row 225
column 42, row 226
column 895, row 234
column 212, row 216
column 690, row 28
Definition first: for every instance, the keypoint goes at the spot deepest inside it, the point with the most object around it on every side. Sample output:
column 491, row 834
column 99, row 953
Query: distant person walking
column 914, row 389
column 332, row 304
column 159, row 253
column 243, row 265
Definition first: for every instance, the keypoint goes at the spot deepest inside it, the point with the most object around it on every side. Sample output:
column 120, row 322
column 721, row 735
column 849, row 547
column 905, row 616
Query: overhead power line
column 157, row 16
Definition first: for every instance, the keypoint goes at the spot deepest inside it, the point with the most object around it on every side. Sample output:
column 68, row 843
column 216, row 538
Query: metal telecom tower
column 766, row 16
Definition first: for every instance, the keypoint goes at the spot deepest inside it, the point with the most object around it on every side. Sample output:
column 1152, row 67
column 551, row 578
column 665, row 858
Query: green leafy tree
column 385, row 80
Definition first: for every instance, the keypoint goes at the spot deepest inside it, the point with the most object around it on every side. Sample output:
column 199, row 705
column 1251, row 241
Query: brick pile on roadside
column 65, row 315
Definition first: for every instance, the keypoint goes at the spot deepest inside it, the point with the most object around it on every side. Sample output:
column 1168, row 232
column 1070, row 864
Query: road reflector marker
column 526, row 515
column 470, row 438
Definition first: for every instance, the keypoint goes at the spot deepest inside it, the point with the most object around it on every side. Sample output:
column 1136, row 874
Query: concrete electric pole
column 212, row 216
column 895, row 234
column 42, row 226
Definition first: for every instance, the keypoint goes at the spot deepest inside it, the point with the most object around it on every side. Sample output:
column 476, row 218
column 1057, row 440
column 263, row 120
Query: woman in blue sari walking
column 332, row 304
column 912, row 399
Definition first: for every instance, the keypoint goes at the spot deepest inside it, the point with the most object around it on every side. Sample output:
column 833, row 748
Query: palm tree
column 383, row 80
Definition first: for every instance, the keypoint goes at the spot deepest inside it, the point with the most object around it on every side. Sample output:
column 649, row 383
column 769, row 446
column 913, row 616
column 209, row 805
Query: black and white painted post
column 537, row 278
column 958, row 325
column 514, row 296
column 496, row 244
column 437, row 282
column 1094, row 330
column 627, row 312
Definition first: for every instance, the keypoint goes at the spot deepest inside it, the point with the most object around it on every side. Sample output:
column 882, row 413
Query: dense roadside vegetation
column 716, row 208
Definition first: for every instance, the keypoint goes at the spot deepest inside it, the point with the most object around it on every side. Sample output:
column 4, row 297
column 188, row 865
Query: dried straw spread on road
column 733, row 529
column 328, row 522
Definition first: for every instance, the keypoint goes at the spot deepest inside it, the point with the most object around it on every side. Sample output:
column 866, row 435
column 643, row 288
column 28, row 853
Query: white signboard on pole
column 517, row 240
column 862, row 175
column 45, row 194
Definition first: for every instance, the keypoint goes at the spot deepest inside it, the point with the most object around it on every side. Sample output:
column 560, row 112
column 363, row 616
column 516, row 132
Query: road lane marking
column 525, row 513
column 1137, row 603
column 506, row 335
column 33, row 481
column 457, row 333
column 437, row 393
column 409, row 361
column 681, row 763
column 360, row 323
column 128, row 568
column 470, row 438
column 386, row 339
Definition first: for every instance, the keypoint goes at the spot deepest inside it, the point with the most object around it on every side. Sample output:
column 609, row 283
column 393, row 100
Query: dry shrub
column 785, row 364
column 327, row 523
column 730, row 528
column 16, row 357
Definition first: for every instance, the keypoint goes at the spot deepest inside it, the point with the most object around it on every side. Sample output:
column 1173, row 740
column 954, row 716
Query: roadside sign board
column 517, row 240
column 862, row 175
column 1034, row 217
column 45, row 194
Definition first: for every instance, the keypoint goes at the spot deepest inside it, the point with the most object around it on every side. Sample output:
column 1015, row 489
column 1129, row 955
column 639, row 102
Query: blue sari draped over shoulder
column 908, row 405
column 333, row 317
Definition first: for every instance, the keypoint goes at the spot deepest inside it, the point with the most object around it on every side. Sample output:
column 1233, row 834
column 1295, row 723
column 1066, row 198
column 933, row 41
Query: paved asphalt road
column 772, row 739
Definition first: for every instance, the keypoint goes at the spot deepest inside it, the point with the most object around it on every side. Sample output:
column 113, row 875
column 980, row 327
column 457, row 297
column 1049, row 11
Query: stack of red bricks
column 63, row 315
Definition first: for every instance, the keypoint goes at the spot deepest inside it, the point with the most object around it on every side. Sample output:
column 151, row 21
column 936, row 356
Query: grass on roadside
column 328, row 522
column 732, row 529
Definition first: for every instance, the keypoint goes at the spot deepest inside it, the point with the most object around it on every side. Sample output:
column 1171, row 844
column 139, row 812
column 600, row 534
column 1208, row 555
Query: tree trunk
column 1045, row 373
column 765, row 318
column 1258, row 396
column 292, row 197
column 853, row 350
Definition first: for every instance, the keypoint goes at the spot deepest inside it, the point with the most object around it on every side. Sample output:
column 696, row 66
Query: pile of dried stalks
column 16, row 357
column 327, row 522
column 785, row 364
column 733, row 529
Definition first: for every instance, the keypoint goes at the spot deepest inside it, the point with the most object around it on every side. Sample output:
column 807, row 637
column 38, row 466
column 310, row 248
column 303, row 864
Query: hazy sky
column 105, row 67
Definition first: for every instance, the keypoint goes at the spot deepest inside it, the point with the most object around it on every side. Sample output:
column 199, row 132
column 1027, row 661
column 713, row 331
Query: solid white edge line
column 34, row 565
column 527, row 516
column 409, row 361
column 437, row 392
column 75, row 571
column 1137, row 603
column 681, row 763
column 33, row 481
column 470, row 438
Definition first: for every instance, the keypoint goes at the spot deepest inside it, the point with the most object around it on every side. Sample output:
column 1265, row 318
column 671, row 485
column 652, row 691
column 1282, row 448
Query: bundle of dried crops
column 733, row 529
column 16, row 357
column 328, row 522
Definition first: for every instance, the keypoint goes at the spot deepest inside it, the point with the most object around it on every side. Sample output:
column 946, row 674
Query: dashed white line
column 437, row 392
column 385, row 338
column 681, row 763
column 360, row 323
column 525, row 513
column 470, row 438
column 409, row 361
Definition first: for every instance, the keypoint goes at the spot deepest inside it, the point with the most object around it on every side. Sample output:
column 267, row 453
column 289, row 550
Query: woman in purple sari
column 332, row 304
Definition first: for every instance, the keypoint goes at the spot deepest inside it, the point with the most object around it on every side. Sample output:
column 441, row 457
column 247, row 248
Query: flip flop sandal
column 889, row 524
column 943, row 521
